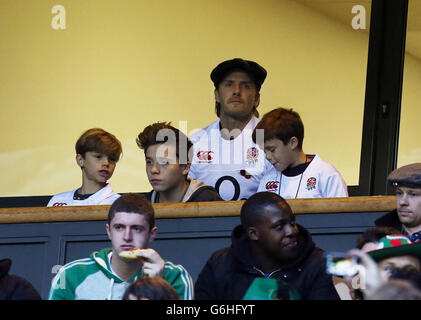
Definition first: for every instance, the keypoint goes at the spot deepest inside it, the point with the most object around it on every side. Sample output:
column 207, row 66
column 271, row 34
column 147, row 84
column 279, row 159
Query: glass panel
column 409, row 150
column 122, row 65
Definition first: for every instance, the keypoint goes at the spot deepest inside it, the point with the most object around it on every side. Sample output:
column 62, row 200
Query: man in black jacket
column 268, row 244
column 407, row 216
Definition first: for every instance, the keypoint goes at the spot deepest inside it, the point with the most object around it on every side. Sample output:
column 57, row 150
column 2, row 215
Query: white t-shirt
column 319, row 180
column 104, row 196
column 233, row 167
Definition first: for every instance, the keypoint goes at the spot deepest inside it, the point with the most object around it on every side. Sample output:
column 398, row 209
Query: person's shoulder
column 73, row 272
column 64, row 194
column 180, row 279
column 390, row 219
column 253, row 122
column 175, row 268
column 220, row 255
column 309, row 249
column 322, row 164
column 318, row 253
column 107, row 192
column 271, row 172
column 197, row 135
column 109, row 199
column 22, row 288
column 104, row 196
column 205, row 193
column 61, row 198
column 77, row 265
column 70, row 276
column 323, row 168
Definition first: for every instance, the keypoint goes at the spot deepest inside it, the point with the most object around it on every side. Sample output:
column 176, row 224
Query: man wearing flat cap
column 407, row 216
column 225, row 155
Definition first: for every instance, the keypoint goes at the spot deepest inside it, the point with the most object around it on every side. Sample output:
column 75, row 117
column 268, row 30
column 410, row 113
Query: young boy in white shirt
column 295, row 174
column 97, row 153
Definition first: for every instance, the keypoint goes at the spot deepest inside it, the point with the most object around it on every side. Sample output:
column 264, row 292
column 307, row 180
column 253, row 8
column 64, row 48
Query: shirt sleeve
column 335, row 186
column 180, row 280
column 60, row 289
column 51, row 202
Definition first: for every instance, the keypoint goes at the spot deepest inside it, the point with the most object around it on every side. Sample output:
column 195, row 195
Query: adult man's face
column 277, row 233
column 408, row 205
column 237, row 95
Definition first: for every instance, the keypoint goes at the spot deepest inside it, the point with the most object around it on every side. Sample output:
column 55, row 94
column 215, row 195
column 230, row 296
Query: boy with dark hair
column 97, row 153
column 295, row 174
column 107, row 274
column 167, row 155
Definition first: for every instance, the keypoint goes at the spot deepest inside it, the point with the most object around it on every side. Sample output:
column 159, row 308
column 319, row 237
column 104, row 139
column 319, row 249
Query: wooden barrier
column 196, row 209
column 38, row 239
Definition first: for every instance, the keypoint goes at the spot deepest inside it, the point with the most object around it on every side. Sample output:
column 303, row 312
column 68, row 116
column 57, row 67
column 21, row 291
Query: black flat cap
column 406, row 175
column 253, row 69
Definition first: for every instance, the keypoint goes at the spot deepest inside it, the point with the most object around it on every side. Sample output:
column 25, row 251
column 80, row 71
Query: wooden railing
column 197, row 209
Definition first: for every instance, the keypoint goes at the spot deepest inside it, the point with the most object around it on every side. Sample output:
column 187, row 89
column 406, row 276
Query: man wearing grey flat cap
column 225, row 156
column 407, row 216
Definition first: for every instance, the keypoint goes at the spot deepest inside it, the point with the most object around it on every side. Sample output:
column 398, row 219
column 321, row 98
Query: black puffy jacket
column 230, row 271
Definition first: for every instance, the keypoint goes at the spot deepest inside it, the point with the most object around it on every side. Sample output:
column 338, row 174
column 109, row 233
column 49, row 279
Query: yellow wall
column 409, row 150
column 122, row 65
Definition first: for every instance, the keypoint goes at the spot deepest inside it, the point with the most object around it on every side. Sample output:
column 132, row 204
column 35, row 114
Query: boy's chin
column 279, row 167
column 159, row 188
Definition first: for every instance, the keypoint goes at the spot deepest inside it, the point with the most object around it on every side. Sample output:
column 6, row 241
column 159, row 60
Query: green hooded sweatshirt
column 93, row 279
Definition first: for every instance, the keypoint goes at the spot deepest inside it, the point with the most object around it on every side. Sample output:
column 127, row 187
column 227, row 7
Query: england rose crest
column 252, row 155
column 311, row 183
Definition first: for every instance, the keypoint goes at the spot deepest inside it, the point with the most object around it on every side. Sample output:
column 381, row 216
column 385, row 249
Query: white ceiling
column 341, row 11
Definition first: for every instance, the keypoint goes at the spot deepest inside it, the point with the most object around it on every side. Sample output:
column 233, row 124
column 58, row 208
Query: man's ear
column 80, row 160
column 293, row 143
column 185, row 168
column 217, row 95
column 107, row 227
column 252, row 233
column 152, row 234
column 257, row 100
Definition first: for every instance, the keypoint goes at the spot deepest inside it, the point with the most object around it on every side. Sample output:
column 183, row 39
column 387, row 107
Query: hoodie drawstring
column 110, row 289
